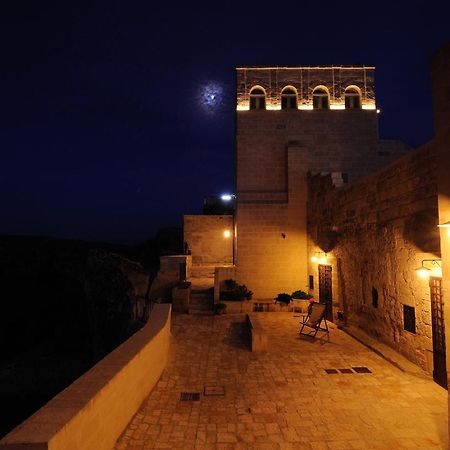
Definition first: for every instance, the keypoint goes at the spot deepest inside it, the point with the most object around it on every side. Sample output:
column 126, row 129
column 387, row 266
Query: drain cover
column 361, row 370
column 331, row 371
column 214, row 390
column 346, row 370
column 190, row 396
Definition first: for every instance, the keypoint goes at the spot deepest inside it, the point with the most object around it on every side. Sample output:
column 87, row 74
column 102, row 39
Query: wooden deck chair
column 314, row 319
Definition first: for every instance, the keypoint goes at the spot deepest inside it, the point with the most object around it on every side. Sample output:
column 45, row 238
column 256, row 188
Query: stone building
column 324, row 205
column 292, row 121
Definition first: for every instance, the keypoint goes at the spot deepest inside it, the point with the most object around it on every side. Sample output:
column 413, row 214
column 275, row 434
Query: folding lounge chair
column 316, row 314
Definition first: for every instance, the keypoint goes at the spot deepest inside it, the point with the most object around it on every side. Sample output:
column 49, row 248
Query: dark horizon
column 105, row 131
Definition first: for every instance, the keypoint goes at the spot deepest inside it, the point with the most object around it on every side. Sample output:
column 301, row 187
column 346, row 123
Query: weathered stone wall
column 275, row 150
column 206, row 240
column 305, row 79
column 376, row 231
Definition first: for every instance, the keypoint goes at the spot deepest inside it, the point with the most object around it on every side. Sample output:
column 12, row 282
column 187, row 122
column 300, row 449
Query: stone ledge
column 258, row 341
column 93, row 411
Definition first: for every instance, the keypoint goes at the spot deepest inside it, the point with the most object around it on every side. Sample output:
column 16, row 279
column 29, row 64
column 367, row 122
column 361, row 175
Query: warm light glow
column 303, row 107
column 433, row 269
column 227, row 233
column 319, row 257
column 423, row 273
column 444, row 225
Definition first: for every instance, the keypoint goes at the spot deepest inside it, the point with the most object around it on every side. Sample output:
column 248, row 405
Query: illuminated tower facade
column 292, row 121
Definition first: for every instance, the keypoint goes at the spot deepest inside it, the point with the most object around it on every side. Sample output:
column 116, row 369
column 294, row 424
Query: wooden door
column 325, row 290
column 437, row 321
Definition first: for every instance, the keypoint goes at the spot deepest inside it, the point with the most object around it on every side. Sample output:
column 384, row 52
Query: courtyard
column 283, row 398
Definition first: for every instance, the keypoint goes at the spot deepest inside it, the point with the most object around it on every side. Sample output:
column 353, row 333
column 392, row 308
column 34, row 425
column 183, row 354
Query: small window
column 374, row 298
column 311, row 281
column 409, row 318
column 289, row 98
column 257, row 98
column 352, row 98
column 321, row 98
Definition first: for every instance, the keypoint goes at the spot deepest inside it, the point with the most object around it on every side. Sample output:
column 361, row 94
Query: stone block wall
column 305, row 79
column 205, row 237
column 345, row 141
column 271, row 231
column 376, row 231
column 275, row 151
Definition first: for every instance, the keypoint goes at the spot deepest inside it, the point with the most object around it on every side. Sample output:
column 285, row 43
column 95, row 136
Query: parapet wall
column 376, row 231
column 304, row 79
column 94, row 410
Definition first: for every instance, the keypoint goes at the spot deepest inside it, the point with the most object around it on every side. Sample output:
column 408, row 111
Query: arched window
column 257, row 98
column 352, row 98
column 321, row 98
column 289, row 98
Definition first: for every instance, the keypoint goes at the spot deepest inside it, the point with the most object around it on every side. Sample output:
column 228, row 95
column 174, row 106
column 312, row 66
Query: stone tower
column 292, row 121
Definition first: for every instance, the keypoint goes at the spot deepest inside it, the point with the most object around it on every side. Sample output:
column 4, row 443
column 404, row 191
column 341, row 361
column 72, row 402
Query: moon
column 211, row 97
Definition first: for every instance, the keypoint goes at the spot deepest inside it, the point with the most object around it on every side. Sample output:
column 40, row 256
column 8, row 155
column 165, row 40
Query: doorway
column 325, row 290
column 438, row 329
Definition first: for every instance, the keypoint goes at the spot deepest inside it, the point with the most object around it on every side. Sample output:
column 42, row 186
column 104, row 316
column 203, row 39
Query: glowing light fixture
column 319, row 257
column 227, row 197
column 444, row 225
column 244, row 106
column 425, row 272
column 227, row 234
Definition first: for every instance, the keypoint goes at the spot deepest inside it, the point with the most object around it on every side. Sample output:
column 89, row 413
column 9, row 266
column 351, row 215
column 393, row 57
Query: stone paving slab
column 283, row 399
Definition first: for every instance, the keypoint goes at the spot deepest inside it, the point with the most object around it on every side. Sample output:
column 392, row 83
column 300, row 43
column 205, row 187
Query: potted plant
column 283, row 299
column 220, row 308
column 301, row 295
column 235, row 292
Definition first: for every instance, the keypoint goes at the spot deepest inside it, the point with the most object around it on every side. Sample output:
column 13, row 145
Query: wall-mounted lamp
column 227, row 233
column 319, row 257
column 425, row 272
column 227, row 197
column 444, row 225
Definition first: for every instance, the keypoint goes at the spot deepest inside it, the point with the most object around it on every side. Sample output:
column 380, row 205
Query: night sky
column 105, row 134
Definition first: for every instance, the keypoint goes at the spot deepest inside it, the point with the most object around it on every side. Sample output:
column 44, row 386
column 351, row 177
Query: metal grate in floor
column 190, row 396
column 358, row 369
column 214, row 390
column 361, row 370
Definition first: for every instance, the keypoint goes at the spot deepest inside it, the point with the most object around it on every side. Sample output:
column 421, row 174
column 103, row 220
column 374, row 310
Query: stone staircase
column 202, row 280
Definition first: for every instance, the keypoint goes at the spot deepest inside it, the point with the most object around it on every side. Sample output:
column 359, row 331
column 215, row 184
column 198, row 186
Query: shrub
column 234, row 291
column 283, row 298
column 301, row 295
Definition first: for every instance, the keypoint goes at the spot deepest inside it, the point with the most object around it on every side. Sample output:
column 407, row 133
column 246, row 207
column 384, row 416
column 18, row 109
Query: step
column 203, row 271
column 201, row 301
column 201, row 282
column 201, row 312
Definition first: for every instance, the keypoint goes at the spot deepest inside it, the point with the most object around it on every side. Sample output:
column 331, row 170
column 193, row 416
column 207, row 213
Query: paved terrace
column 283, row 398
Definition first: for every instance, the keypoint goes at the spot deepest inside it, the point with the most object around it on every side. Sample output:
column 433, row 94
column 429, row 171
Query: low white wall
column 93, row 411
